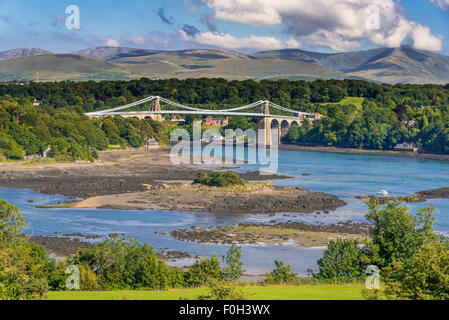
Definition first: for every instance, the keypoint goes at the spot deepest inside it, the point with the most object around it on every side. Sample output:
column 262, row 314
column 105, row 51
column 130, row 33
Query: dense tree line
column 299, row 95
column 378, row 124
column 411, row 256
column 68, row 134
column 375, row 127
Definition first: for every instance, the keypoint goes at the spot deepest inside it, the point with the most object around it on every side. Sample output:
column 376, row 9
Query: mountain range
column 386, row 65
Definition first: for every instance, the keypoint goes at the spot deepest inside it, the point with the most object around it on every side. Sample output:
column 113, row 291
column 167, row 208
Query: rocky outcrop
column 441, row 193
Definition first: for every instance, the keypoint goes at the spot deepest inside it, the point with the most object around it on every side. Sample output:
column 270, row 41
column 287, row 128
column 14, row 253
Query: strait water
column 344, row 175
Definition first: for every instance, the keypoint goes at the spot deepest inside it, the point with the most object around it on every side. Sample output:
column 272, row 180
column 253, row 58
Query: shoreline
column 260, row 198
column 382, row 153
column 143, row 179
column 292, row 233
column 115, row 172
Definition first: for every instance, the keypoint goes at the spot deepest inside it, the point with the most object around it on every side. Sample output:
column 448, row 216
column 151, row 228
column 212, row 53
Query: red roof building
column 209, row 121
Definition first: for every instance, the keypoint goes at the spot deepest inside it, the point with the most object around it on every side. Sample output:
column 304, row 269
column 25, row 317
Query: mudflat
column 254, row 198
column 115, row 172
column 300, row 234
column 147, row 179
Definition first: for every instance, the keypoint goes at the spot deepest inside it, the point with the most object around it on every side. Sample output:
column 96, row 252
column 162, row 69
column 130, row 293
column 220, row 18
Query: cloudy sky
column 242, row 25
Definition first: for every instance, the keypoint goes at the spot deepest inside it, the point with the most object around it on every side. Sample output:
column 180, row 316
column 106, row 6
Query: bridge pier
column 283, row 125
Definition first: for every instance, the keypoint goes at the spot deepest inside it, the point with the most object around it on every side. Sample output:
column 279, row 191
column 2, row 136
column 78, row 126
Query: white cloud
column 110, row 42
column 230, row 42
column 443, row 4
column 338, row 24
column 136, row 40
column 423, row 40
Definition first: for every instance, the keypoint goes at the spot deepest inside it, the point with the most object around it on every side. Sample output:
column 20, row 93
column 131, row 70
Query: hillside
column 389, row 65
column 111, row 53
column 59, row 67
column 164, row 65
column 23, row 52
column 224, row 64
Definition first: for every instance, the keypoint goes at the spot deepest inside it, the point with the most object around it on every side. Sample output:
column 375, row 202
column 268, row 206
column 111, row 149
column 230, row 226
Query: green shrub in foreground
column 24, row 266
column 282, row 274
column 202, row 271
column 119, row 263
column 223, row 290
column 343, row 260
column 427, row 278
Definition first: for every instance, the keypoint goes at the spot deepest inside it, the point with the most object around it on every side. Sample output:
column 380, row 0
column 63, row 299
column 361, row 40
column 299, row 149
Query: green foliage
column 24, row 266
column 158, row 275
column 57, row 277
column 202, row 271
column 397, row 234
column 427, row 278
column 281, row 274
column 396, row 237
column 88, row 278
column 234, row 265
column 11, row 223
column 240, row 122
column 223, row 291
column 9, row 149
column 343, row 260
column 219, row 179
column 119, row 263
column 358, row 114
column 71, row 135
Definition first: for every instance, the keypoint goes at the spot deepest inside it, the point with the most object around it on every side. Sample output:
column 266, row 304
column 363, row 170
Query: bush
column 119, row 263
column 282, row 274
column 397, row 234
column 24, row 266
column 223, row 290
column 234, row 266
column 158, row 275
column 426, row 279
column 16, row 280
column 343, row 260
column 219, row 179
column 57, row 277
column 202, row 271
column 88, row 279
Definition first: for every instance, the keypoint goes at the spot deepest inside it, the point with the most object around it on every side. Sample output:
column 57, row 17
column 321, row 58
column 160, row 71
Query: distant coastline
column 384, row 153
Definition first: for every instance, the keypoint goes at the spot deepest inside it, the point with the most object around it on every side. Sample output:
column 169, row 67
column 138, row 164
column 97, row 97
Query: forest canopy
column 388, row 115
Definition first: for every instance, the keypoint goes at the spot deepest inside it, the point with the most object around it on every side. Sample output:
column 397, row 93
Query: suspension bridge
column 267, row 120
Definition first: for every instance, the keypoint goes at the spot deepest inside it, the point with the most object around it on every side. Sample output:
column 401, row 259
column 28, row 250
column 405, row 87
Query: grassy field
column 320, row 292
column 349, row 100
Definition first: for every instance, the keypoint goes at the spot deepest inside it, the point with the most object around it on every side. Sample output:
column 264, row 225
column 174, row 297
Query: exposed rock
column 441, row 193
column 384, row 200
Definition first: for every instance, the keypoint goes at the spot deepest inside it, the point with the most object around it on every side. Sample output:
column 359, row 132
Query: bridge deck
column 211, row 112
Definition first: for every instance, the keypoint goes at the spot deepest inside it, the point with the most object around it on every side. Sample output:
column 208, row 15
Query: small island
column 219, row 191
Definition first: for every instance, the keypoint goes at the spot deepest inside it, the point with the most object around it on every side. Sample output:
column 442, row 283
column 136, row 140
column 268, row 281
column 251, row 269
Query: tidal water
column 344, row 175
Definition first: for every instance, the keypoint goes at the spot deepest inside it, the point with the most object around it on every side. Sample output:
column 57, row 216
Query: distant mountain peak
column 23, row 52
column 389, row 65
column 111, row 53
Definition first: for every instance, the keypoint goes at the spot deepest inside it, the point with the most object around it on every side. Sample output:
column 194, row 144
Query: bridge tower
column 265, row 124
column 155, row 106
column 265, row 108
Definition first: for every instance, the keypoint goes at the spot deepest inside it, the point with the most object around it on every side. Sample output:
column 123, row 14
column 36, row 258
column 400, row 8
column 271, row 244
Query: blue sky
column 242, row 25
